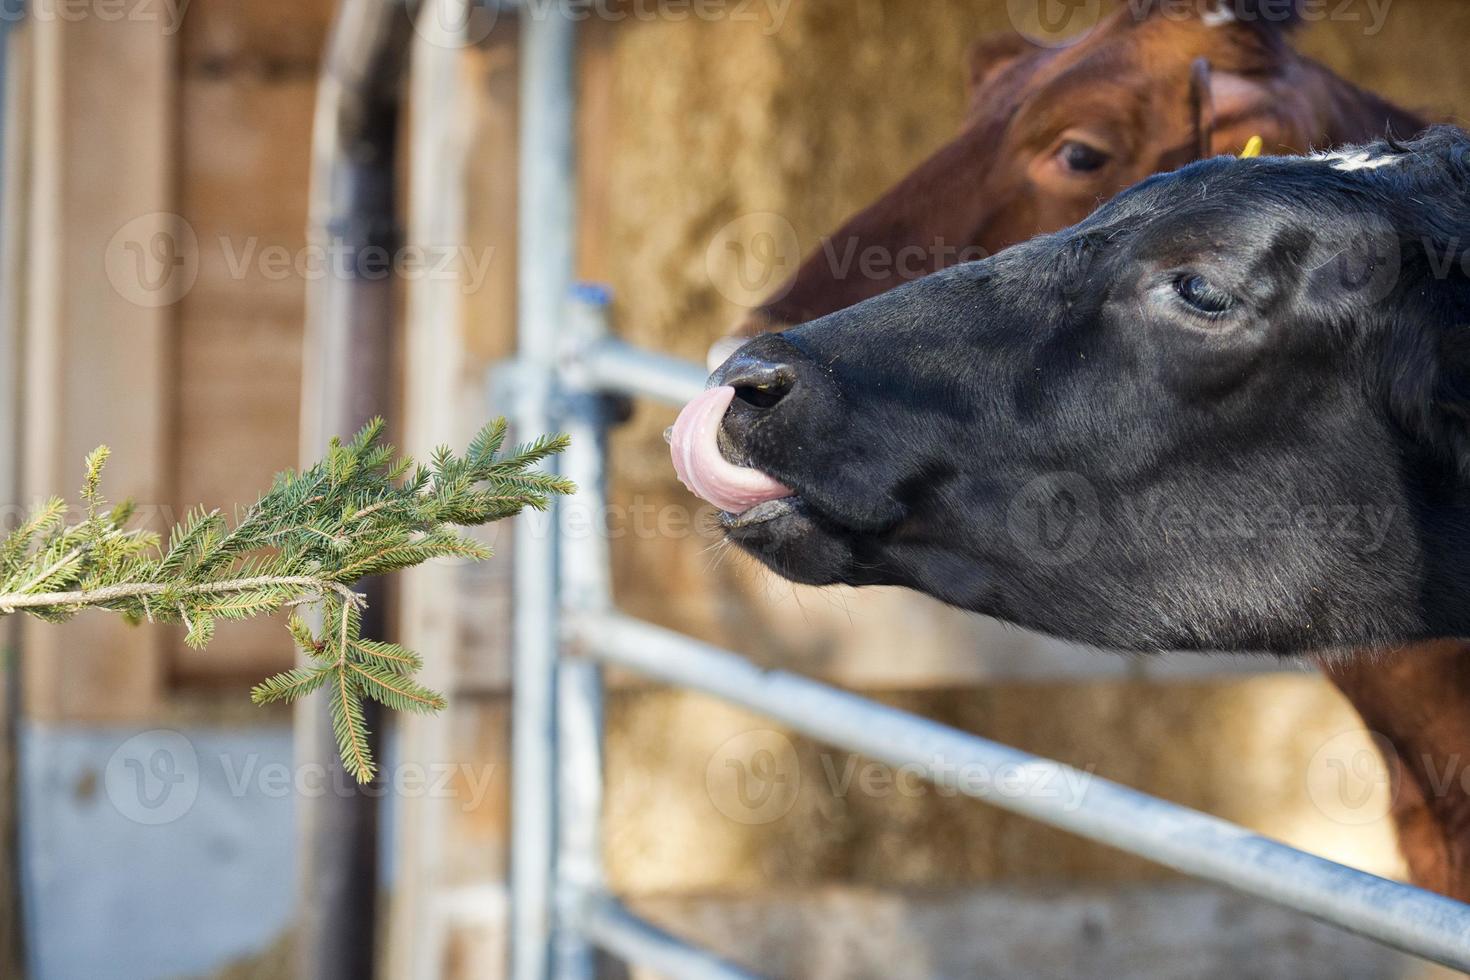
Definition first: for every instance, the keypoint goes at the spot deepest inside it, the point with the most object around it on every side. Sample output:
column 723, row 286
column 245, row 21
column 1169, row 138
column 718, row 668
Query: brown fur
column 1128, row 86
column 1418, row 701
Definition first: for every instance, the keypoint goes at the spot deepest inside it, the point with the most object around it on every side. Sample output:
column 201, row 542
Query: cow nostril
column 761, row 396
column 762, row 384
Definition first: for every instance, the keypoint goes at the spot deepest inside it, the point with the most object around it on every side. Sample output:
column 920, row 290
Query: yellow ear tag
column 1252, row 148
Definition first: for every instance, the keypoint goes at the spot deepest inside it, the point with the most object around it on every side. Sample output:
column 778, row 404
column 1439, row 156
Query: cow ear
column 1429, row 380
column 1449, row 415
column 1427, row 351
column 1454, row 374
column 991, row 55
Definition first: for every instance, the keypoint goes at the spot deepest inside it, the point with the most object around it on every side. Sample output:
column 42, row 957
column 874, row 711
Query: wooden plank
column 240, row 326
column 268, row 38
column 482, row 649
column 14, row 130
column 441, row 87
column 106, row 260
column 244, row 172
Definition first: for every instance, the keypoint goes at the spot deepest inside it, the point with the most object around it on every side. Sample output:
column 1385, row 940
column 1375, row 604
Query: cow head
column 1226, row 411
column 1051, row 132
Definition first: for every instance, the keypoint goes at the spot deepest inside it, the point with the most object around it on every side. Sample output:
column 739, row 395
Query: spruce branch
column 362, row 510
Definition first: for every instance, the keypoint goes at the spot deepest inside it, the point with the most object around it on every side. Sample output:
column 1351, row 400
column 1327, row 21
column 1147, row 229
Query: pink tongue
column 702, row 469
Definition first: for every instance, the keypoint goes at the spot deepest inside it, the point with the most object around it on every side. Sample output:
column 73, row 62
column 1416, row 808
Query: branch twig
column 99, row 597
column 359, row 512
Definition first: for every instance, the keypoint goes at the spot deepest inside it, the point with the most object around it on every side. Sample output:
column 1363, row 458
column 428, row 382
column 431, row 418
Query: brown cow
column 1050, row 133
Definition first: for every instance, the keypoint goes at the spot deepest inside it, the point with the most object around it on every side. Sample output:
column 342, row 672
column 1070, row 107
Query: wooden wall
column 194, row 141
column 247, row 84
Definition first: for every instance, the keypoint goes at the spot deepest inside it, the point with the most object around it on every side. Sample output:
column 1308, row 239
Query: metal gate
column 566, row 629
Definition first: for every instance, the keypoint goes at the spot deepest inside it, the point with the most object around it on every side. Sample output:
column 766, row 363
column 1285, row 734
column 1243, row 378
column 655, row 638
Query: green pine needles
column 360, row 511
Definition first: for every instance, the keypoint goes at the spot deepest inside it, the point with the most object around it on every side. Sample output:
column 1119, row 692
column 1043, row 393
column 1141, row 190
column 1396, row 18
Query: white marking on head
column 1217, row 16
column 1358, row 160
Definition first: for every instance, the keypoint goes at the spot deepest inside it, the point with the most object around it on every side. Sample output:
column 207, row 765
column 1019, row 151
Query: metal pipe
column 1397, row 915
column 586, row 586
column 347, row 378
column 618, row 931
column 623, row 369
column 546, row 260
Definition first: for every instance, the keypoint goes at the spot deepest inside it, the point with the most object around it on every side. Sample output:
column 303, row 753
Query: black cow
column 1228, row 410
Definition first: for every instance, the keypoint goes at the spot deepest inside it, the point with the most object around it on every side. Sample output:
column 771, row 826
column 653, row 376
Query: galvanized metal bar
column 546, row 261
column 622, row 369
column 622, row 933
column 586, row 586
column 579, row 825
column 351, row 331
column 1397, row 915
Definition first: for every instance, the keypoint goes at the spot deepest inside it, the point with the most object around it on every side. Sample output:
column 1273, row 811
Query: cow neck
column 1417, row 701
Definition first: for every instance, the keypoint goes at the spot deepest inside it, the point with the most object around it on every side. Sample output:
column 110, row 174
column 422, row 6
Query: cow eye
column 1203, row 295
column 1079, row 157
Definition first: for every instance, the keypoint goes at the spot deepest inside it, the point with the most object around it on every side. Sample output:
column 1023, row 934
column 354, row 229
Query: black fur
column 1057, row 437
